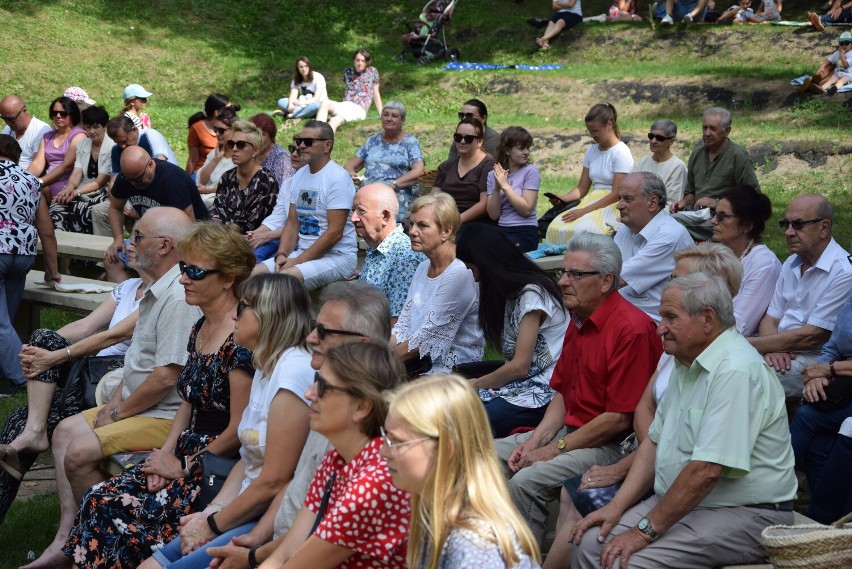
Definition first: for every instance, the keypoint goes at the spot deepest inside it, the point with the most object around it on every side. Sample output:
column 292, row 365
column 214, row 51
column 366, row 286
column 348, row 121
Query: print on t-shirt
column 307, row 202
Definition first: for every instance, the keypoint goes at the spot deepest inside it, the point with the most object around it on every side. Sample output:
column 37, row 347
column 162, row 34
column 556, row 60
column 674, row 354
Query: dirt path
column 41, row 479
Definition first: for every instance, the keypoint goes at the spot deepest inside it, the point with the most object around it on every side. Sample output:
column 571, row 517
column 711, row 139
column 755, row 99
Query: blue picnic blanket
column 470, row 66
column 798, row 81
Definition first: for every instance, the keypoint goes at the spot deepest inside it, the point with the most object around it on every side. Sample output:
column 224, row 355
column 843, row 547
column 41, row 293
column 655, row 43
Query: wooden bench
column 36, row 297
column 551, row 263
column 81, row 245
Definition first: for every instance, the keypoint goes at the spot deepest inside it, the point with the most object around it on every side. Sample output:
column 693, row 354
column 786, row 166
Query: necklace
column 216, row 327
column 747, row 249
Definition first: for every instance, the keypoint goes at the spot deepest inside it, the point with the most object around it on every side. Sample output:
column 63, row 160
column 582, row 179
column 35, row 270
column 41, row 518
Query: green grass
column 29, row 526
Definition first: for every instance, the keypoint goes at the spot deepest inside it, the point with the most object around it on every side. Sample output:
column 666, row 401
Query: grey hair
column 174, row 226
column 606, row 258
column 717, row 260
column 721, row 112
column 700, row 291
column 396, row 105
column 668, row 127
column 368, row 310
column 824, row 210
column 653, row 187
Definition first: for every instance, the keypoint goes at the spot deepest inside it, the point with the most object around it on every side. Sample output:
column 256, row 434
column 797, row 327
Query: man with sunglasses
column 815, row 282
column 140, row 412
column 318, row 241
column 146, row 183
column 27, row 129
column 476, row 109
column 715, row 165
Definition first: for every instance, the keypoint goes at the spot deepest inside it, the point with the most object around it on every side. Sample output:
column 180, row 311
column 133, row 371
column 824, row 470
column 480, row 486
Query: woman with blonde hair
column 439, row 447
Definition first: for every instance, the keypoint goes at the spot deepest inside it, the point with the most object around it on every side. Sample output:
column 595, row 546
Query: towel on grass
column 471, row 66
column 799, row 81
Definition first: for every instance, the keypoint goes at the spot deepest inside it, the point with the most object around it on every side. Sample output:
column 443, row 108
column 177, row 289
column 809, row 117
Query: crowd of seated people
column 582, row 360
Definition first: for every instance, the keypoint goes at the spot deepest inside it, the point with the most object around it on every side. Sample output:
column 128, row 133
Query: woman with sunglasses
column 438, row 447
column 465, row 177
column 605, row 165
column 353, row 515
column 246, row 194
column 738, row 223
column 201, row 139
column 522, row 318
column 218, row 161
column 670, row 169
column 273, row 320
column 129, row 514
column 269, row 154
column 57, row 151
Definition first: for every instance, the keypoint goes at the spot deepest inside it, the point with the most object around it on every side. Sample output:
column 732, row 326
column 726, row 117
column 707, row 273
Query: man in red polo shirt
column 609, row 353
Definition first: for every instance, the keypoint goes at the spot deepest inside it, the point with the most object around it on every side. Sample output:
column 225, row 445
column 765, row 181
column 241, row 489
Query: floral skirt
column 604, row 220
column 120, row 523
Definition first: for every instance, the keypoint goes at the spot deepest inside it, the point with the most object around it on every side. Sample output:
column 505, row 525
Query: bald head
column 814, row 205
column 14, row 113
column 159, row 230
column 374, row 212
column 133, row 161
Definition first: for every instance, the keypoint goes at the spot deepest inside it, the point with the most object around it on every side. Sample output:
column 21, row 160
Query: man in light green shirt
column 718, row 453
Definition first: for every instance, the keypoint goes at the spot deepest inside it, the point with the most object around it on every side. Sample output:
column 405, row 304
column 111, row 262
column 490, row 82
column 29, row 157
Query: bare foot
column 52, row 558
column 31, row 442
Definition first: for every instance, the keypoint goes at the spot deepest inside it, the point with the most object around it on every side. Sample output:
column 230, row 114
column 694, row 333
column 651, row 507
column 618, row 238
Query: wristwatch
column 645, row 527
column 561, row 444
column 114, row 414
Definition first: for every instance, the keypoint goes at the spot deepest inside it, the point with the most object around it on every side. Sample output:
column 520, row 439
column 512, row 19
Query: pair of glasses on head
column 658, row 137
column 58, row 113
column 238, row 144
column 307, row 142
column 197, row 273
column 323, row 386
column 14, row 118
column 798, row 224
column 466, row 138
column 393, row 447
column 323, row 332
column 576, row 275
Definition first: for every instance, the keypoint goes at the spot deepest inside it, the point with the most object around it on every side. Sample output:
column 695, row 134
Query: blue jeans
column 13, row 279
column 524, row 236
column 266, row 250
column 169, row 556
column 813, row 433
column 831, row 497
column 505, row 417
column 309, row 110
column 680, row 9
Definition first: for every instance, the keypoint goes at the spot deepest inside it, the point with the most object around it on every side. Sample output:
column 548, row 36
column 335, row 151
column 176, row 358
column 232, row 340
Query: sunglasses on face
column 323, row 332
column 137, row 179
column 143, row 99
column 195, row 273
column 292, row 148
column 219, row 130
column 797, row 224
column 463, row 116
column 241, row 306
column 306, row 142
column 466, row 138
column 658, row 137
column 238, row 144
column 58, row 113
column 14, row 118
column 324, row 386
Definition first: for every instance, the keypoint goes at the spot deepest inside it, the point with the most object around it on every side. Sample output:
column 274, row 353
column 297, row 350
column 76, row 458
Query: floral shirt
column 246, row 208
column 358, row 87
column 467, row 549
column 366, row 512
column 386, row 161
column 19, row 197
column 278, row 162
column 390, row 267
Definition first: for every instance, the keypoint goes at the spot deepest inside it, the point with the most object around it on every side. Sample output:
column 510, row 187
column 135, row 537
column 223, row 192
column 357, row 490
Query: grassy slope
column 182, row 49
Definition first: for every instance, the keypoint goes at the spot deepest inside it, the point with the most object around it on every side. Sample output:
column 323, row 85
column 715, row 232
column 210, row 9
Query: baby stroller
column 427, row 39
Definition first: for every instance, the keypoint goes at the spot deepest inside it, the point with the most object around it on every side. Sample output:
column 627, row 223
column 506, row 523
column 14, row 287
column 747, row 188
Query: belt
column 779, row 507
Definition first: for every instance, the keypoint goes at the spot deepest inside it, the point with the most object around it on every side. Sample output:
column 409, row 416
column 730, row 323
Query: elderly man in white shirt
column 648, row 241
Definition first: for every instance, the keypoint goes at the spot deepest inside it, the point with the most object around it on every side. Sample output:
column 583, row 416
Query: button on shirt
column 816, row 296
column 726, row 408
column 648, row 260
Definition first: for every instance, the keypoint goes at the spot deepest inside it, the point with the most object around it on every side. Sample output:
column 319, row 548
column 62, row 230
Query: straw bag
column 810, row 546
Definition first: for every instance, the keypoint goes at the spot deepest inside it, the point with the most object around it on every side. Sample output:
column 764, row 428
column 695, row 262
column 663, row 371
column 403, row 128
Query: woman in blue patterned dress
column 390, row 157
column 124, row 519
column 521, row 315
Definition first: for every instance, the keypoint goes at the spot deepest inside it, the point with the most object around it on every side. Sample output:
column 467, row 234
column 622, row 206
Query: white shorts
column 319, row 272
column 349, row 111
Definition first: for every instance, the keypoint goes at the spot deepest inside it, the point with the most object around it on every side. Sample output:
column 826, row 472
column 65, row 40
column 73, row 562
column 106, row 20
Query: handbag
column 838, row 394
column 87, row 372
column 214, row 471
column 550, row 215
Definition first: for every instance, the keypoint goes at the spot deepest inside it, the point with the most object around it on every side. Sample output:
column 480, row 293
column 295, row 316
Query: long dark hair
column 504, row 271
column 297, row 76
column 214, row 102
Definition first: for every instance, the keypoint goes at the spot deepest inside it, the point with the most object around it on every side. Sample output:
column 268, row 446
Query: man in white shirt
column 815, row 281
column 648, row 241
column 27, row 129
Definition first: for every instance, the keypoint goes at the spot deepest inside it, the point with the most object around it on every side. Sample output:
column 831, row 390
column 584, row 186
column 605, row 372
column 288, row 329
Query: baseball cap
column 846, row 37
column 78, row 95
column 136, row 90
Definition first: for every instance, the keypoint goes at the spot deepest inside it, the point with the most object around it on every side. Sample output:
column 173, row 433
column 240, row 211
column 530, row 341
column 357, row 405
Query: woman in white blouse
column 439, row 320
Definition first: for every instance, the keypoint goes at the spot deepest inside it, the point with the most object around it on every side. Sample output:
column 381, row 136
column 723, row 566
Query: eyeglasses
column 323, row 385
column 135, row 237
column 137, row 179
column 576, row 275
column 292, row 148
column 322, row 332
column 308, row 142
column 241, row 306
column 670, row 278
column 463, row 116
column 57, row 113
column 466, row 138
column 219, row 130
column 658, row 137
column 195, row 273
column 14, row 118
column 723, row 216
column 393, row 447
column 238, row 144
column 797, row 224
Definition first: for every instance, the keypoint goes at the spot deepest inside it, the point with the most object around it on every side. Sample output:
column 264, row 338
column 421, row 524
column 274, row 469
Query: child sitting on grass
column 769, row 12
column 839, row 61
column 737, row 14
column 623, row 11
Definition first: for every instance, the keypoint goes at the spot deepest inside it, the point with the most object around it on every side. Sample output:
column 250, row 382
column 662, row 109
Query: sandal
column 10, row 462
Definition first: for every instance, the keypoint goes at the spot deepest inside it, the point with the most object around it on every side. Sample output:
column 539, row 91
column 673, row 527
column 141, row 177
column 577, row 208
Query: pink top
column 53, row 156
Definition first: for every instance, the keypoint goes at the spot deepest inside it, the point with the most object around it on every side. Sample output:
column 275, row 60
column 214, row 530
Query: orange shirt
column 199, row 137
